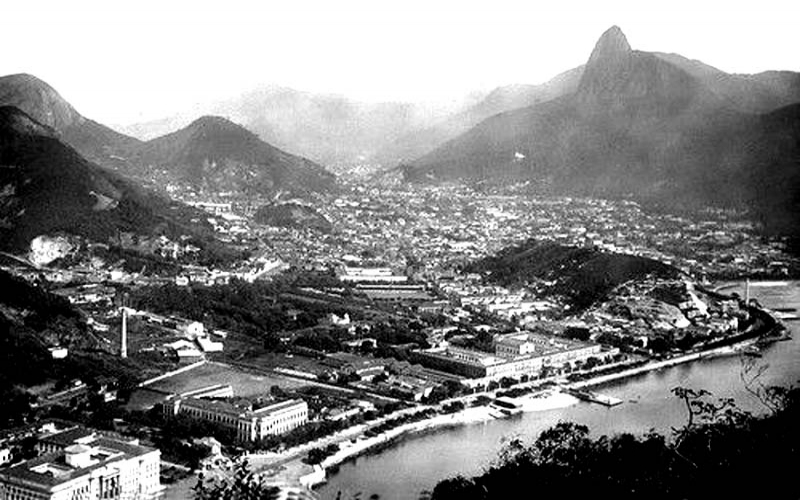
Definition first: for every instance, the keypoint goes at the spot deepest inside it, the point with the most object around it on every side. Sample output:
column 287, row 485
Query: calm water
column 418, row 463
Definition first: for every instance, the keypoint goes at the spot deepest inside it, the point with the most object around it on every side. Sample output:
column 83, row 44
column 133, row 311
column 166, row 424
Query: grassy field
column 243, row 383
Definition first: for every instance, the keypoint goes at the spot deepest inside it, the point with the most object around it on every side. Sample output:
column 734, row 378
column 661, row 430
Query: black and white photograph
column 399, row 250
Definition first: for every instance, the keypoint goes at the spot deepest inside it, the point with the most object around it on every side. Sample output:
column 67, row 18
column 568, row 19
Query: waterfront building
column 82, row 464
column 516, row 355
column 244, row 421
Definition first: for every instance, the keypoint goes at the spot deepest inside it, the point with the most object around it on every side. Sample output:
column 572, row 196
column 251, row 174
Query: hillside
column 292, row 215
column 31, row 320
column 758, row 93
column 328, row 129
column 41, row 102
column 215, row 154
column 47, row 188
column 637, row 126
column 583, row 276
column 419, row 142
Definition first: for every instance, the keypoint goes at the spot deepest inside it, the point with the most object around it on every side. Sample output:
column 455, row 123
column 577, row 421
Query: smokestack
column 123, row 350
column 747, row 292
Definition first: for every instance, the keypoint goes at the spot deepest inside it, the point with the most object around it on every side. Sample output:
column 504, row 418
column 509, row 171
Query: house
column 208, row 345
column 184, row 351
column 58, row 352
column 192, row 328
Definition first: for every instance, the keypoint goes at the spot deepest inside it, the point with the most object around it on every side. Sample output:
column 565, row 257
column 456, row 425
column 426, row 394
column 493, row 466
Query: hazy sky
column 127, row 61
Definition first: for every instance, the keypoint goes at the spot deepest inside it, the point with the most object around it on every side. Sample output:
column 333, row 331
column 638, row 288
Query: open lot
column 243, row 383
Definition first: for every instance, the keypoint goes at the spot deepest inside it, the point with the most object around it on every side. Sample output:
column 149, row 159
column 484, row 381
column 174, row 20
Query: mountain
column 47, row 187
column 637, row 126
column 758, row 93
column 41, row 102
column 215, row 154
column 329, row 129
column 501, row 99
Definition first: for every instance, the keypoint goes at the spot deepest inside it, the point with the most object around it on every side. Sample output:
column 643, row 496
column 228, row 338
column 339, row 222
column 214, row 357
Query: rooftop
column 55, row 468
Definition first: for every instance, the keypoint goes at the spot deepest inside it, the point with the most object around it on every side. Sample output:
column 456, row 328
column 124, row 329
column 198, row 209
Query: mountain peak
column 612, row 45
column 39, row 100
column 217, row 124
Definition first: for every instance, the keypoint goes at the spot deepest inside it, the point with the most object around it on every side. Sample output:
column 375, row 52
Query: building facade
column 245, row 423
column 97, row 467
column 516, row 355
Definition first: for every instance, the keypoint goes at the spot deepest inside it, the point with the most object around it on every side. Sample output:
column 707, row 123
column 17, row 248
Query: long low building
column 515, row 355
column 244, row 422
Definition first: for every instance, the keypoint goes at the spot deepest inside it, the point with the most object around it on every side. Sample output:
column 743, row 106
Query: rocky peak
column 612, row 45
column 39, row 100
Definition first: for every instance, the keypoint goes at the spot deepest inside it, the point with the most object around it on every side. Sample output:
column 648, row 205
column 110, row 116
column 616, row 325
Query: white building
column 371, row 275
column 96, row 468
column 246, row 423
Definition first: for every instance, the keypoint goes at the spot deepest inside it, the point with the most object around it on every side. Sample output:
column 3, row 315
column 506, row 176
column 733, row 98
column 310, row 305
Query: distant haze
column 124, row 62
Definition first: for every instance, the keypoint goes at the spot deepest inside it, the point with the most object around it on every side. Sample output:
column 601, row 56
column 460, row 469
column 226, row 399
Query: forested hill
column 581, row 275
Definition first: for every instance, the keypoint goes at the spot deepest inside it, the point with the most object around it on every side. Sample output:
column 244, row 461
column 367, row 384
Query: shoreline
column 440, row 422
column 555, row 398
column 354, row 444
column 533, row 402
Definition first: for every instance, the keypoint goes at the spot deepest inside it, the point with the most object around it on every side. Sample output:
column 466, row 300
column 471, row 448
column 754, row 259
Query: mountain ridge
column 217, row 154
column 44, row 104
column 638, row 126
column 49, row 188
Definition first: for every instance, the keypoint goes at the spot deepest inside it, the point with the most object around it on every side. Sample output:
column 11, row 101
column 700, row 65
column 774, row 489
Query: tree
column 241, row 484
column 577, row 333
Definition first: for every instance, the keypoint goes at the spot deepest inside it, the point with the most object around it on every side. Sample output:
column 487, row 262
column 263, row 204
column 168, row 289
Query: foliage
column 581, row 275
column 718, row 443
column 256, row 309
column 241, row 484
column 317, row 455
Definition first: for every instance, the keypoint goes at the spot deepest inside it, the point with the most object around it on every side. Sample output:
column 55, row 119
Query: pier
column 594, row 397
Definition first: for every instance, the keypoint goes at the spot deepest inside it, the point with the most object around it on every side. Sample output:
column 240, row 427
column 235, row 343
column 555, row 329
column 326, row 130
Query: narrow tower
column 123, row 350
column 747, row 292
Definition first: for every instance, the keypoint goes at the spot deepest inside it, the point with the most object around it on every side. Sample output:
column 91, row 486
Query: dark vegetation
column 292, row 215
column 255, row 309
column 242, row 483
column 32, row 320
column 50, row 188
column 582, row 276
column 646, row 127
column 215, row 154
column 721, row 452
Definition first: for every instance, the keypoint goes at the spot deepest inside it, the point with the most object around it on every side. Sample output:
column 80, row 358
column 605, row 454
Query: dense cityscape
column 584, row 286
column 376, row 321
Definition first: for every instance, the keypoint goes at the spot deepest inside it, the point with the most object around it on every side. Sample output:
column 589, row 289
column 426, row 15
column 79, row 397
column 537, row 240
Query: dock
column 594, row 397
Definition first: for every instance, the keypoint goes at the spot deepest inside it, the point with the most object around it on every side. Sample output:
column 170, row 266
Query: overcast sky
column 120, row 62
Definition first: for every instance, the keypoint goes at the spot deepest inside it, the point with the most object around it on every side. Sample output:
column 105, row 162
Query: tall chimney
column 123, row 350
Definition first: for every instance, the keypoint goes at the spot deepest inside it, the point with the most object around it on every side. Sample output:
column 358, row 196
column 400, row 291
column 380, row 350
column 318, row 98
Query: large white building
column 371, row 275
column 246, row 423
column 516, row 355
column 91, row 467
